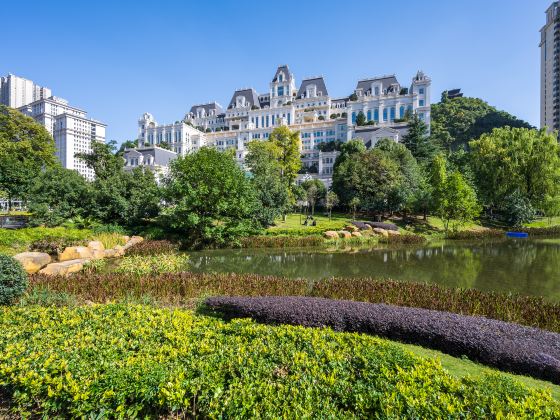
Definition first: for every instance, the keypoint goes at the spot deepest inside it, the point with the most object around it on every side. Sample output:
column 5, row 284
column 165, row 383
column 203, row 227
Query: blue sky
column 117, row 60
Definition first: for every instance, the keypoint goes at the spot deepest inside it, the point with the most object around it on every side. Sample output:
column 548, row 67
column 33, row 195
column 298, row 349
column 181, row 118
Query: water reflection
column 529, row 267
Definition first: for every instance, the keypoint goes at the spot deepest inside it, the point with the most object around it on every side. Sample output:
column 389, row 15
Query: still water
column 529, row 266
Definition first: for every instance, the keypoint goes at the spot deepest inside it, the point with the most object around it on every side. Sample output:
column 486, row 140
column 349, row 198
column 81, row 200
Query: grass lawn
column 462, row 367
column 292, row 225
column 544, row 222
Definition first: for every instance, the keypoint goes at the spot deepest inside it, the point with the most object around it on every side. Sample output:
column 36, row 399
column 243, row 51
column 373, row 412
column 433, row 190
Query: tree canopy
column 26, row 147
column 210, row 200
column 456, row 121
column 516, row 159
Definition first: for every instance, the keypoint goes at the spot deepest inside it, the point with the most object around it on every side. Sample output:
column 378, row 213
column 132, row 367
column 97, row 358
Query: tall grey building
column 16, row 92
column 550, row 68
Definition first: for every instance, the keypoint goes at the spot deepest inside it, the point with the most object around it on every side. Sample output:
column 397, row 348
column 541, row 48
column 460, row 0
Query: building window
column 392, row 113
column 353, row 118
column 376, row 114
column 280, row 90
column 369, row 115
column 384, row 114
column 421, row 102
column 421, row 91
column 401, row 111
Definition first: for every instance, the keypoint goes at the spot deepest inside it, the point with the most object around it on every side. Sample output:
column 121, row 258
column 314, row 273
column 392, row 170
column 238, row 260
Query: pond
column 525, row 266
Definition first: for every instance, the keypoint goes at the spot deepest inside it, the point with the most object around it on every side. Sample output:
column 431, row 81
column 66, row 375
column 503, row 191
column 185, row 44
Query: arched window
column 280, row 77
column 401, row 111
column 393, row 113
column 369, row 115
column 376, row 115
column 353, row 118
column 384, row 114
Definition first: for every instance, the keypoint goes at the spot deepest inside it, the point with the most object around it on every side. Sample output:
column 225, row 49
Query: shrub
column 280, row 241
column 123, row 361
column 152, row 247
column 403, row 239
column 142, row 265
column 13, row 280
column 53, row 246
column 14, row 241
column 477, row 234
column 110, row 239
column 507, row 346
column 180, row 288
column 542, row 231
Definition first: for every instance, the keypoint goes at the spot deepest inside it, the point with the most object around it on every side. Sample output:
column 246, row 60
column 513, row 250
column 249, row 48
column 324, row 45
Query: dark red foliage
column 507, row 346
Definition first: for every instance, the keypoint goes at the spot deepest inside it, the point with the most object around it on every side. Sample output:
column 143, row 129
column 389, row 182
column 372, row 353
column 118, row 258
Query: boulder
column 381, row 232
column 75, row 253
column 33, row 261
column 126, row 238
column 119, row 250
column 96, row 246
column 136, row 239
column 344, row 234
column 63, row 268
column 393, row 232
column 356, row 234
column 110, row 253
column 330, row 234
column 351, row 228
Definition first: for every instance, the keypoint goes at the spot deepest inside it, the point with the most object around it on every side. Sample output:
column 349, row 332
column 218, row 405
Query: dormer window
column 376, row 90
column 240, row 101
column 311, row 91
column 280, row 77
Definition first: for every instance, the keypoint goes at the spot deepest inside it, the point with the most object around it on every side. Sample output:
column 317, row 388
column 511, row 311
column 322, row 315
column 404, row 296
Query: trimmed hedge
column 119, row 361
column 507, row 346
column 180, row 288
column 13, row 280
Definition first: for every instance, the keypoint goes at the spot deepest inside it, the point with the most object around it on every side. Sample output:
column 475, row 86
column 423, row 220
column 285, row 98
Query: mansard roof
column 250, row 95
column 386, row 82
column 207, row 108
column 285, row 70
column 319, row 82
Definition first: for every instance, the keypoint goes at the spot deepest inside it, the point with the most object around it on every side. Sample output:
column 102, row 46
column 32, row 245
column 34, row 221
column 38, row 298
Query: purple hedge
column 507, row 346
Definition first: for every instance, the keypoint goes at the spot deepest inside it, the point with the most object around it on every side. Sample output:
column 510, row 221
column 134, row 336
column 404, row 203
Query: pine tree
column 417, row 140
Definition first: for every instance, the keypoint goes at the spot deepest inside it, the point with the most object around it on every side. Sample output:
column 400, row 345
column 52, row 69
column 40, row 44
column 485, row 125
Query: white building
column 16, row 91
column 72, row 131
column 550, row 69
column 318, row 117
column 154, row 158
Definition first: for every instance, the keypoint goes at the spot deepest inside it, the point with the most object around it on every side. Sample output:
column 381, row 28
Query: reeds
column 182, row 288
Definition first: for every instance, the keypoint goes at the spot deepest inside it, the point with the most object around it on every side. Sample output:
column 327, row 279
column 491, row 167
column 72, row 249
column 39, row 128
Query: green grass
column 18, row 240
column 463, row 367
column 292, row 225
column 544, row 222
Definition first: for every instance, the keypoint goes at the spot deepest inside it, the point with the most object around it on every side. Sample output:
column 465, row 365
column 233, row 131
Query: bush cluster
column 143, row 265
column 507, row 346
column 124, row 361
column 280, row 241
column 13, row 280
column 153, row 247
column 476, row 234
column 180, row 288
column 13, row 241
column 52, row 246
column 409, row 239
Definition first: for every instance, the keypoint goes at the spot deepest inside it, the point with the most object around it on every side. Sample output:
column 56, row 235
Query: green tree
column 344, row 167
column 551, row 207
column 516, row 159
column 25, row 149
column 127, row 144
column 360, row 119
column 314, row 190
column 331, row 200
column 455, row 122
column 454, row 200
column 288, row 142
column 59, row 195
column 263, row 160
column 403, row 193
column 421, row 145
column 119, row 196
column 354, row 204
column 210, row 200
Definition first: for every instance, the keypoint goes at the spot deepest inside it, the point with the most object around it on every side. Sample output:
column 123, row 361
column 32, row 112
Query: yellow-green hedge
column 126, row 361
